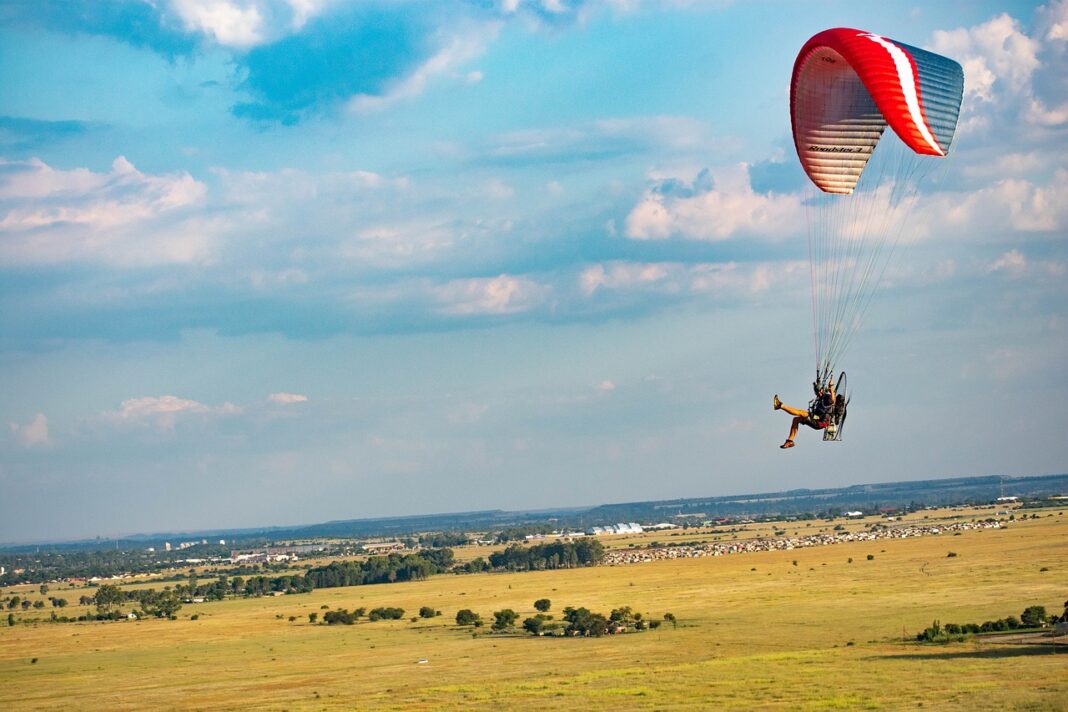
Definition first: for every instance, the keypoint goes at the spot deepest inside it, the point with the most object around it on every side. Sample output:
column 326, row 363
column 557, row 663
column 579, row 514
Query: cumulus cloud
column 241, row 24
column 1003, row 67
column 232, row 24
column 703, row 210
column 164, row 411
column 616, row 275
column 505, row 294
column 33, row 433
column 124, row 216
column 1015, row 265
column 1054, row 21
column 287, row 398
column 998, row 58
column 1014, row 204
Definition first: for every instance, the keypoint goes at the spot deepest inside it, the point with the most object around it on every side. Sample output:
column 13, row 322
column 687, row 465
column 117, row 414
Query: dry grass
column 775, row 637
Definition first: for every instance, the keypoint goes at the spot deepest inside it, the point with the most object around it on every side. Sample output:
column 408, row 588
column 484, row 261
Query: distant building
column 621, row 528
column 222, row 542
column 166, row 546
column 384, row 546
column 1008, row 499
column 854, row 514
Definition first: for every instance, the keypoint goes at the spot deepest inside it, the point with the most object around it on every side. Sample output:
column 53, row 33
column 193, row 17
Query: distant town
column 252, row 552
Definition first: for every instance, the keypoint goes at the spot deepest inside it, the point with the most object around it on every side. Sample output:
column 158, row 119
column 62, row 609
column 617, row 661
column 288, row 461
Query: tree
column 107, row 595
column 43, row 589
column 671, row 617
column 427, row 612
column 161, row 604
column 581, row 621
column 14, row 602
column 1033, row 616
column 543, row 604
column 339, row 616
column 312, row 617
column 504, row 619
column 533, row 625
column 11, row 619
column 465, row 616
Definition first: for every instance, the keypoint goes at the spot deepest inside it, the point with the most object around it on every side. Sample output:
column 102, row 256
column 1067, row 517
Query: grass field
column 754, row 631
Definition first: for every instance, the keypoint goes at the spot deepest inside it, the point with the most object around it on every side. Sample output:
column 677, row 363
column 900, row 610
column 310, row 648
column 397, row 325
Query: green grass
column 775, row 638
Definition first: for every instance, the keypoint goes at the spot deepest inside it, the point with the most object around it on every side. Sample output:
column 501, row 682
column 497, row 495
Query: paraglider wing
column 848, row 85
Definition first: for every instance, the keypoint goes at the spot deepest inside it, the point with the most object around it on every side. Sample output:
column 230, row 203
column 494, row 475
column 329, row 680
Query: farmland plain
column 754, row 630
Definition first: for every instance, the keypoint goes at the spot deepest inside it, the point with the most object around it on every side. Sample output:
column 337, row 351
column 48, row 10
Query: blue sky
column 281, row 261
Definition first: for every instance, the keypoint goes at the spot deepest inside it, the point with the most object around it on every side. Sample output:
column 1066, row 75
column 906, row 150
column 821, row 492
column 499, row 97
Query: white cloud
column 617, row 275
column 1012, row 262
column 1014, row 204
column 287, row 398
column 304, row 10
column 399, row 244
column 464, row 46
column 164, row 411
column 606, row 386
column 1004, row 66
column 121, row 217
column 1015, row 265
column 701, row 278
column 33, row 433
column 720, row 212
column 232, row 24
column 1054, row 21
column 504, row 294
column 997, row 57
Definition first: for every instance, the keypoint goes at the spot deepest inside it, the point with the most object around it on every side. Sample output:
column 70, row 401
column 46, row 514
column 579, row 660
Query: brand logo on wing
column 837, row 149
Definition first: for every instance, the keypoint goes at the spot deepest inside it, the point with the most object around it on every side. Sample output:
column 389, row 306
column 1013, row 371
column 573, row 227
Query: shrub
column 504, row 619
column 871, row 556
column 533, row 625
column 466, row 616
column 1033, row 616
column 341, row 616
column 543, row 604
column 385, row 613
column 428, row 612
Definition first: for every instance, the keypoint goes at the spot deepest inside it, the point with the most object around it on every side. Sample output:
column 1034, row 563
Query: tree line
column 575, row 622
column 1032, row 617
column 553, row 555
